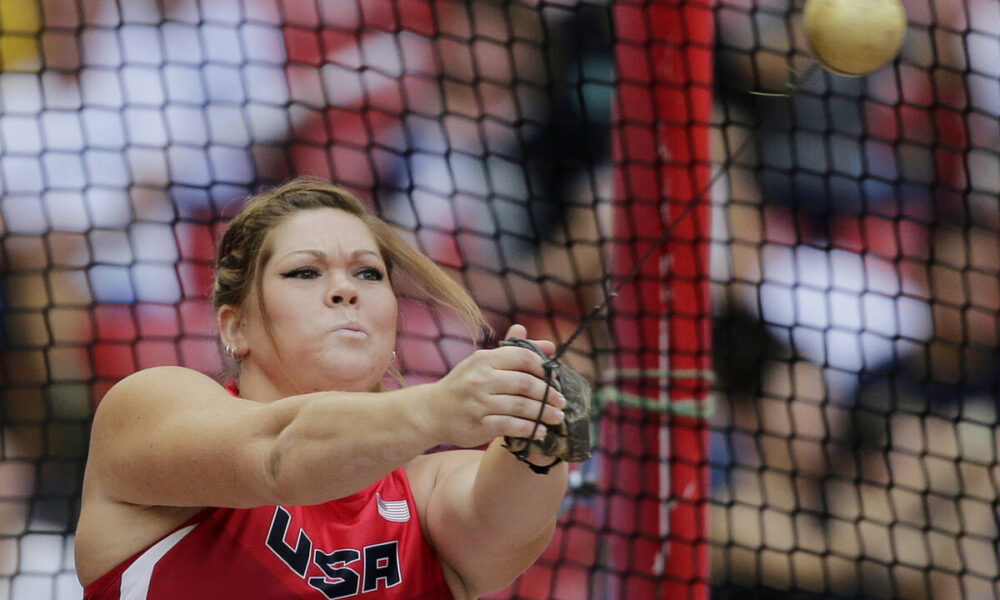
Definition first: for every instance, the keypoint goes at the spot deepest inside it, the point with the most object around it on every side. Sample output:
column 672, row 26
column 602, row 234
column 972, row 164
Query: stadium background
column 833, row 252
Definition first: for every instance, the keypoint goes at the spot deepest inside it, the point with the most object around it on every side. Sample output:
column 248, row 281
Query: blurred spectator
column 129, row 130
column 483, row 127
column 860, row 238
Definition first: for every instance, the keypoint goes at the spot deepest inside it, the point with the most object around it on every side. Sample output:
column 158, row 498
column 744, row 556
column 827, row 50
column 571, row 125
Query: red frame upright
column 655, row 439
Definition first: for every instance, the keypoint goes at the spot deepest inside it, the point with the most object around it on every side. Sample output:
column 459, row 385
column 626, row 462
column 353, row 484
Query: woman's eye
column 371, row 274
column 303, row 273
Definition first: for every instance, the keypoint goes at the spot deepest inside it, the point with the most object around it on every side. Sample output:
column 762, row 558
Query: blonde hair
column 244, row 250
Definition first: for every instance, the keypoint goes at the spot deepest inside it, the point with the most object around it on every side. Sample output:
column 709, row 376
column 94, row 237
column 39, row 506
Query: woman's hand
column 493, row 393
column 489, row 500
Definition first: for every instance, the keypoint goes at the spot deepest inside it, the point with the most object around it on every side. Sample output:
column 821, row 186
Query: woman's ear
column 230, row 323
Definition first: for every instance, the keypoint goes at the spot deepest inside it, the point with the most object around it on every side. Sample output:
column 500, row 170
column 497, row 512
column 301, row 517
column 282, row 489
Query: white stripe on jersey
column 136, row 578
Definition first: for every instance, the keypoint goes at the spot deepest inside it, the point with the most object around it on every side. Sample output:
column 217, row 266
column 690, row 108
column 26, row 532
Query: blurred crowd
column 856, row 291
column 855, row 243
column 129, row 132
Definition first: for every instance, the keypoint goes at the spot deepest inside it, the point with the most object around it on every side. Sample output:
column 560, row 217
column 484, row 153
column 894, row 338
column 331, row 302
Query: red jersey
column 369, row 545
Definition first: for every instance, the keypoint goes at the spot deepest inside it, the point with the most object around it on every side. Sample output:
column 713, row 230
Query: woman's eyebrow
column 321, row 255
column 316, row 253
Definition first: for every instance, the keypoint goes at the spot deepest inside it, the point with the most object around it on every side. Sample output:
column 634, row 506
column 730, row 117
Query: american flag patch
column 393, row 510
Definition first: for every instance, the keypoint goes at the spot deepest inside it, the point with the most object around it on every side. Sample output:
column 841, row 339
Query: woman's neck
column 257, row 385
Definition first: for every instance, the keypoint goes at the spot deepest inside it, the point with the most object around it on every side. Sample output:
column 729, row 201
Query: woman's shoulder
column 425, row 471
column 158, row 384
column 167, row 375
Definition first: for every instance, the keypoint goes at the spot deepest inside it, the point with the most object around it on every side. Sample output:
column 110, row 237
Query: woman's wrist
column 536, row 461
column 416, row 403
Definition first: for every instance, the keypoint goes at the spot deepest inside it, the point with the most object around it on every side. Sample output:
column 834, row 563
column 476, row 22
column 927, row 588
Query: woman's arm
column 488, row 515
column 171, row 436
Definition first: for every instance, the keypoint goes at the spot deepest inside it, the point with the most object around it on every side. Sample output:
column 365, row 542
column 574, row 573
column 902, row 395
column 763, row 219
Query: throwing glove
column 570, row 440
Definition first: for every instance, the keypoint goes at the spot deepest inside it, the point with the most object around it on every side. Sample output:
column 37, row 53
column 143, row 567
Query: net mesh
column 855, row 452
column 833, row 243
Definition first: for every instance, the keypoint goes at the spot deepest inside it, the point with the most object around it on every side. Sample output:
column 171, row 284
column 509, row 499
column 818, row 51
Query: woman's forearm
column 513, row 502
column 334, row 444
column 498, row 506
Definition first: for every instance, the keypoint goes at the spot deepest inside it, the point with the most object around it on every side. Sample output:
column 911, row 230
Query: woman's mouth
column 351, row 330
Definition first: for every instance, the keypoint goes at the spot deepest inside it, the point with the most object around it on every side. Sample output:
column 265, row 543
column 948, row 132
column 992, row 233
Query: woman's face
column 331, row 306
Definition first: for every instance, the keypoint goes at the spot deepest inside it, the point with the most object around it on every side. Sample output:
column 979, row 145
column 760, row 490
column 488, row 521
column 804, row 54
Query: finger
column 515, row 358
column 516, row 330
column 529, row 386
column 546, row 346
column 499, row 425
column 520, row 331
column 524, row 408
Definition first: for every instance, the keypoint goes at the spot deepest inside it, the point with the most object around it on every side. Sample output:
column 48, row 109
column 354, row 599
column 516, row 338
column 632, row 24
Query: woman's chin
column 345, row 379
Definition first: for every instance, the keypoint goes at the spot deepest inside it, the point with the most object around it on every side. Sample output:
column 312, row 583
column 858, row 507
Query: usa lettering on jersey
column 346, row 571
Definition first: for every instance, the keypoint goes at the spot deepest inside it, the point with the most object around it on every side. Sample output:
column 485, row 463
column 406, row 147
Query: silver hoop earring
column 231, row 351
column 393, row 356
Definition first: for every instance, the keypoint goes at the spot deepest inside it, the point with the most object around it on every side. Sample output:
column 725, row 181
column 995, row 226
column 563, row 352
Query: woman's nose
column 343, row 292
column 350, row 299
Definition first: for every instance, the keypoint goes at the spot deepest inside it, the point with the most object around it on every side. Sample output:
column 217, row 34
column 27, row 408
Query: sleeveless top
column 369, row 544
